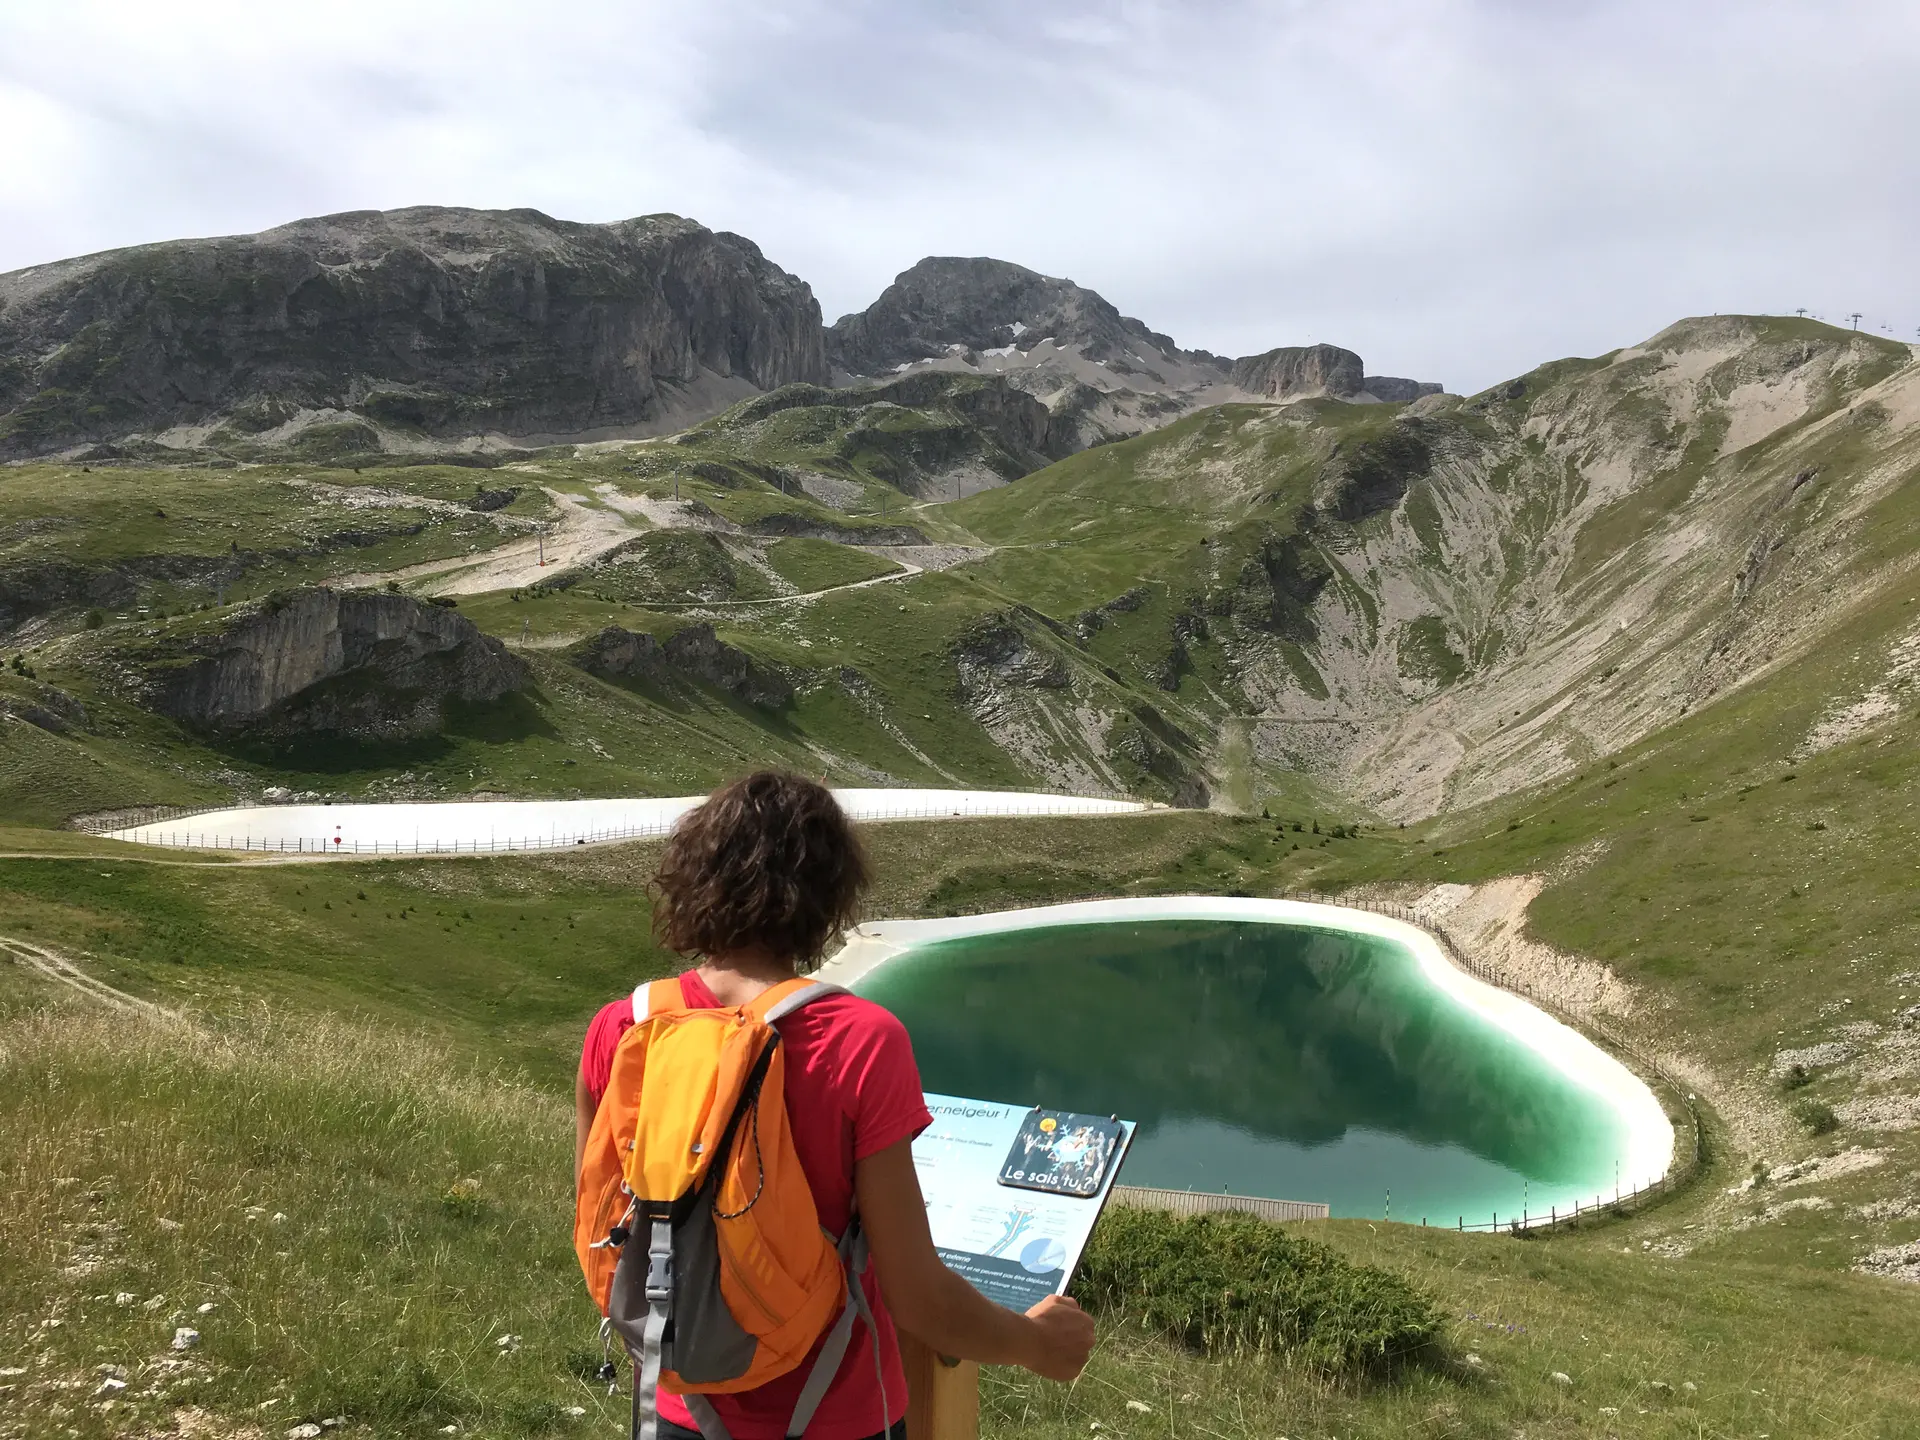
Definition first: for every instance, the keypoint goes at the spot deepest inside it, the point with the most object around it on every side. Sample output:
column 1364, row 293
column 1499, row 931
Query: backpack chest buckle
column 659, row 1273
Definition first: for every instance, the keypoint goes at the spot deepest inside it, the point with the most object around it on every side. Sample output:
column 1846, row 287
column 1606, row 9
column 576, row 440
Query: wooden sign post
column 943, row 1396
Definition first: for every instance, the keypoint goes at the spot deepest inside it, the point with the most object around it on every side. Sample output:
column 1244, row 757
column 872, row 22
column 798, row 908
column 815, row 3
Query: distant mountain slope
column 1431, row 606
column 984, row 304
column 1102, row 373
column 470, row 334
column 399, row 326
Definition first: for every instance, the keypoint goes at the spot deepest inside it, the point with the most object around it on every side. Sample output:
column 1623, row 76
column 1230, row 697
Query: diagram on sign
column 1012, row 1193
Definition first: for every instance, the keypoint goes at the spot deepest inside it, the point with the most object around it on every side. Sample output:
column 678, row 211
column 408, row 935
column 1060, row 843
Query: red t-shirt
column 852, row 1090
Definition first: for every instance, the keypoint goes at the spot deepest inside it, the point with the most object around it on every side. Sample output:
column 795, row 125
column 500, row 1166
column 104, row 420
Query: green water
column 1260, row 1059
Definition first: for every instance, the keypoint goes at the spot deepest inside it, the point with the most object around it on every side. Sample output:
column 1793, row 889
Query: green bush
column 1818, row 1118
column 1222, row 1284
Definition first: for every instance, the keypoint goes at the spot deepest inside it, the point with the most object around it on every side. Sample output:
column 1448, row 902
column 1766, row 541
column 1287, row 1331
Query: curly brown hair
column 767, row 863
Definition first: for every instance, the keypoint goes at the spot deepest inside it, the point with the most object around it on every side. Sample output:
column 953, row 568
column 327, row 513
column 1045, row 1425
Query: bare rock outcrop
column 996, row 651
column 1394, row 390
column 1297, row 370
column 976, row 303
column 962, row 421
column 695, row 653
column 326, row 662
column 434, row 320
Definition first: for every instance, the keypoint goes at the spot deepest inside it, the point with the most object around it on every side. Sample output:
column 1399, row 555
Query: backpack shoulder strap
column 775, row 1004
column 657, row 997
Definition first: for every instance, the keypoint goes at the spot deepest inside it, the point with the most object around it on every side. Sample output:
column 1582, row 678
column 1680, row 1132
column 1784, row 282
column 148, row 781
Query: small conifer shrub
column 1224, row 1284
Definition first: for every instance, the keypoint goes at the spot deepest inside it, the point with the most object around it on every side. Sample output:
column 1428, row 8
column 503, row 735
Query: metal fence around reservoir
column 190, row 839
column 1202, row 1202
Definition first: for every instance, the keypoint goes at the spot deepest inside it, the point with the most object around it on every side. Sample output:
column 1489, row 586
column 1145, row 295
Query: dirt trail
column 55, row 966
column 583, row 533
column 906, row 571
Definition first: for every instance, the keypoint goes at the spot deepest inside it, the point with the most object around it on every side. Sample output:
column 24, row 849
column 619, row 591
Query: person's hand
column 1063, row 1338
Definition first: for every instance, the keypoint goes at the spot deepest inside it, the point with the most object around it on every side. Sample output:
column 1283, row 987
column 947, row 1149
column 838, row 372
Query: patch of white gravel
column 1489, row 921
column 1841, row 722
column 1780, row 1211
column 1758, row 408
column 1880, row 1112
column 929, row 557
column 1895, row 1262
column 1823, row 1168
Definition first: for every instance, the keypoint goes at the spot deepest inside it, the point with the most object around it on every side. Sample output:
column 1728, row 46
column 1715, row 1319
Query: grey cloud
column 1458, row 188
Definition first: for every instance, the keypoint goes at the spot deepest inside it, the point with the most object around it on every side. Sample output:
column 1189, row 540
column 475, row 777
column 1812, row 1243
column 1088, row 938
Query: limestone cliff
column 319, row 661
column 917, row 430
column 694, row 653
column 1295, row 370
column 417, row 322
column 1395, row 390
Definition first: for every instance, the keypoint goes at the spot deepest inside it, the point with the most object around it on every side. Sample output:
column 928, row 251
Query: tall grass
column 1225, row 1284
column 366, row 1217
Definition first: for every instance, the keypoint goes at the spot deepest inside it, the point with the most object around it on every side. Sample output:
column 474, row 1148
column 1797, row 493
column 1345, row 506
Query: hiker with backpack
column 744, row 1144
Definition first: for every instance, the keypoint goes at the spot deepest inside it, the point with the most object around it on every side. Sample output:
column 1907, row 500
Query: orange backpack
column 694, row 1223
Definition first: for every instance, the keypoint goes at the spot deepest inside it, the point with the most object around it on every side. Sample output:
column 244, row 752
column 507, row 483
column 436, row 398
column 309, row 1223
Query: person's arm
column 584, row 1108
column 928, row 1300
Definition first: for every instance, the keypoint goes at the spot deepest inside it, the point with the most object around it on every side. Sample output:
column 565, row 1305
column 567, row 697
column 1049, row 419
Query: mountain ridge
column 431, row 320
column 449, row 331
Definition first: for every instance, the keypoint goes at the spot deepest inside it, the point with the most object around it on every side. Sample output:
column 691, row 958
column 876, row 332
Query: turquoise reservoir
column 1295, row 1061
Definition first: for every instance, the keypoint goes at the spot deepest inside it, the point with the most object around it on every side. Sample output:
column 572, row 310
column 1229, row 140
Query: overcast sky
column 1457, row 189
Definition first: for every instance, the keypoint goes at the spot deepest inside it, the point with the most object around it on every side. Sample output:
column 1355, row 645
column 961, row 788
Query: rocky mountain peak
column 429, row 321
column 949, row 303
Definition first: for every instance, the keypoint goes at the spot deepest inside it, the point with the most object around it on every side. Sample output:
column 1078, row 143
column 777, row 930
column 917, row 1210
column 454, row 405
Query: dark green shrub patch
column 1226, row 1284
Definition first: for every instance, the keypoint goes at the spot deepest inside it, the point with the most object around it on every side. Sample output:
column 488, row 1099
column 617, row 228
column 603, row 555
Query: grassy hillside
column 1613, row 667
column 405, row 1112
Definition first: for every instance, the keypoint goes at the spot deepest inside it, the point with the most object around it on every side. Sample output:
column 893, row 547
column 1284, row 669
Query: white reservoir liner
column 481, row 826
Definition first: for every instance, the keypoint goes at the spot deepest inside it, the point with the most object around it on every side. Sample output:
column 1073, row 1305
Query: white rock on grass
column 1823, row 1056
column 125, row 1297
column 306, row 1431
column 1560, row 1377
column 185, row 1337
column 1896, row 1262
column 575, row 1411
column 1140, row 1407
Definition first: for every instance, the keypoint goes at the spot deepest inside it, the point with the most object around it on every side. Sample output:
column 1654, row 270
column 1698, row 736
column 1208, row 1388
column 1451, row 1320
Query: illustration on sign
column 1059, row 1151
column 1012, row 1193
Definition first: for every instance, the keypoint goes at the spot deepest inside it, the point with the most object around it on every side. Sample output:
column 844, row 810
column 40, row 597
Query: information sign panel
column 1012, row 1193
